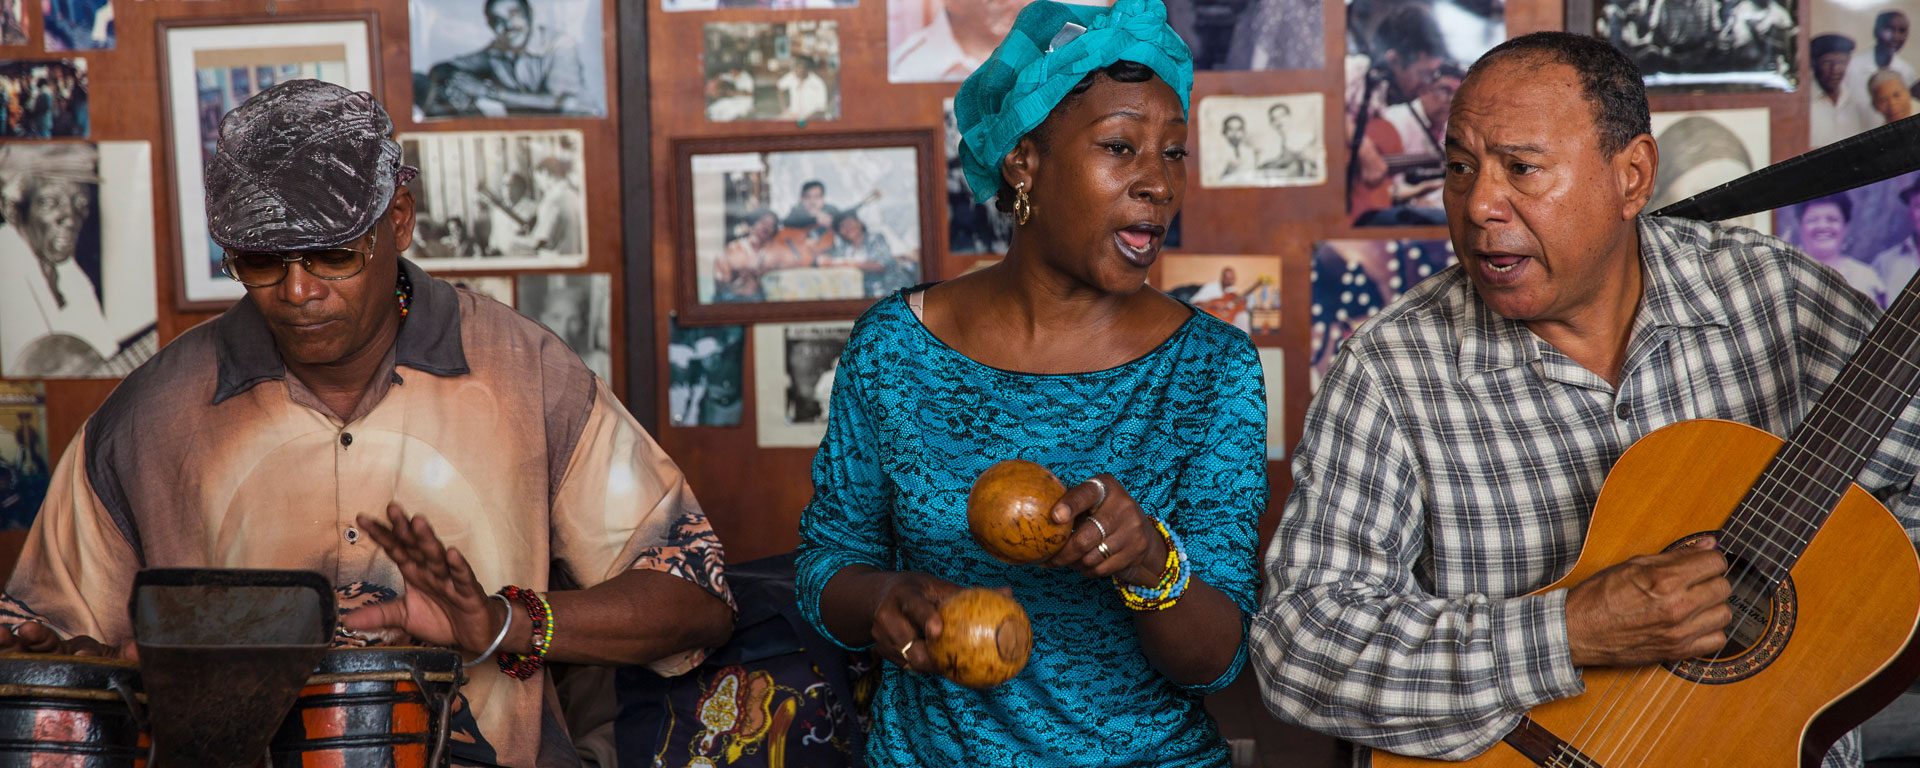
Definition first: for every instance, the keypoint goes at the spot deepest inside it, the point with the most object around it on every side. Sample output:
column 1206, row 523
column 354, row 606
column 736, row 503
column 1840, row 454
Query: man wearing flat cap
column 419, row 444
column 1837, row 111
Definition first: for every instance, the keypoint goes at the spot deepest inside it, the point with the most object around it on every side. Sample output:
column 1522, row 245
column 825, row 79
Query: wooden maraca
column 984, row 638
column 1010, row 512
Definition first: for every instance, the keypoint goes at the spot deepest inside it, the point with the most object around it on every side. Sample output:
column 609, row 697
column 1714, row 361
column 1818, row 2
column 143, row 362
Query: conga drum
column 71, row 711
column 372, row 708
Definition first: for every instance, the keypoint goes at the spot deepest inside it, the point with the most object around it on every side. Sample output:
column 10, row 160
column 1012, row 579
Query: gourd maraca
column 984, row 638
column 1010, row 512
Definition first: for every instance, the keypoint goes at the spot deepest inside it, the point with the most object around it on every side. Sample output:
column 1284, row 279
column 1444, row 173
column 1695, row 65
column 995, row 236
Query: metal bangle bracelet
column 497, row 639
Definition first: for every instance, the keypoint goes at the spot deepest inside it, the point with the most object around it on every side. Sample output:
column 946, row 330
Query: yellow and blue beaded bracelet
column 1174, row 578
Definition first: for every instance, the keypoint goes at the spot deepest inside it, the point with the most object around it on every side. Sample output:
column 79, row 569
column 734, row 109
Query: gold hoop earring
column 1022, row 205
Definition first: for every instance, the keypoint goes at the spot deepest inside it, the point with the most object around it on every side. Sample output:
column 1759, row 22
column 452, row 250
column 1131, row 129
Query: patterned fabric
column 913, row 422
column 1039, row 62
column 1451, row 460
column 486, row 424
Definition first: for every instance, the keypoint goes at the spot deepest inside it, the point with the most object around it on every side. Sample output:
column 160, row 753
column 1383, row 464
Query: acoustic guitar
column 1826, row 585
column 1418, row 167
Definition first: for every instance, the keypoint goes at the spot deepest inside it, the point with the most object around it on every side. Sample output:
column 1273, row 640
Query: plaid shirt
column 1451, row 460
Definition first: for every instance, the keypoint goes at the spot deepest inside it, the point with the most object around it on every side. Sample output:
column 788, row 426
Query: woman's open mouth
column 1140, row 243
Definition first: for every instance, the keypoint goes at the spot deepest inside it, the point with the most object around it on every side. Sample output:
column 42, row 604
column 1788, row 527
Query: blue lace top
column 913, row 422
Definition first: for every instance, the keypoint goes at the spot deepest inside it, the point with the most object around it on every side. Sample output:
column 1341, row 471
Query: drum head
column 353, row 661
column 59, row 671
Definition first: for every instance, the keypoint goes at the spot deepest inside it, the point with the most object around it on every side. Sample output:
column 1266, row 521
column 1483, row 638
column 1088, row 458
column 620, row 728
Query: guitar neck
column 1772, row 526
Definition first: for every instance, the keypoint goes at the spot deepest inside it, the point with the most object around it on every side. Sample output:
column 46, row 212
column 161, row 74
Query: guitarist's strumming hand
column 1651, row 609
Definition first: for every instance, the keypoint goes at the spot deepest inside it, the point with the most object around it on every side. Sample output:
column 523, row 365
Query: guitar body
column 1856, row 600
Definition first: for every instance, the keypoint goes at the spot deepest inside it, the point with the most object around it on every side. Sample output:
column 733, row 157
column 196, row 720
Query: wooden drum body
column 372, row 708
column 70, row 711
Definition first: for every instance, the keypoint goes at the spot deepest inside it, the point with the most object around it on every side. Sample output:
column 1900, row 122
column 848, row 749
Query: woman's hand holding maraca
column 1114, row 538
column 907, row 617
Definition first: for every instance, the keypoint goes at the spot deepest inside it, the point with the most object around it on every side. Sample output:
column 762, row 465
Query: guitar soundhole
column 1763, row 618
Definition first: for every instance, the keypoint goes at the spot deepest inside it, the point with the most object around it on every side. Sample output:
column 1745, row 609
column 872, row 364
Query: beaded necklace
column 403, row 293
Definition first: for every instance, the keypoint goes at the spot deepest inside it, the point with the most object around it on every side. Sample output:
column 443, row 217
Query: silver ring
column 1103, row 494
column 1101, row 528
column 905, row 648
column 1104, row 552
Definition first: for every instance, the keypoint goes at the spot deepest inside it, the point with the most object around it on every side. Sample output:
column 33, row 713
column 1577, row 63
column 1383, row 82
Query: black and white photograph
column 704, row 375
column 1700, row 150
column 44, row 99
column 973, row 229
column 943, row 41
column 498, row 288
column 13, row 22
column 1353, row 279
column 578, row 309
column 76, row 260
column 1696, row 43
column 213, row 68
column 1863, row 76
column 1262, row 141
column 25, row 471
column 1251, row 34
column 1405, row 60
column 765, row 5
column 1273, row 368
column 1866, row 234
column 773, row 228
column 793, row 368
column 78, row 25
column 497, row 199
column 787, row 71
column 508, row 58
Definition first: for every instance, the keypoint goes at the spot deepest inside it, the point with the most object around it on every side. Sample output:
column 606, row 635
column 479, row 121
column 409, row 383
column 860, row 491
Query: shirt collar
column 1673, row 293
column 429, row 340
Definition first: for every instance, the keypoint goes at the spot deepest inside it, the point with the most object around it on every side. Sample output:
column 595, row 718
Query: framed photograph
column 577, row 308
column 704, row 382
column 1863, row 75
column 801, row 227
column 496, row 200
column 1262, row 141
column 925, row 37
column 793, row 368
column 13, row 23
column 77, row 25
column 1353, row 279
column 1867, row 234
column 1406, row 61
column 47, row 98
column 1700, row 150
column 784, row 71
column 973, row 229
column 1698, row 43
column 1243, row 291
column 1251, row 34
column 211, row 67
column 25, row 472
column 76, row 259
column 1273, row 368
column 765, row 5
column 507, row 58
column 498, row 288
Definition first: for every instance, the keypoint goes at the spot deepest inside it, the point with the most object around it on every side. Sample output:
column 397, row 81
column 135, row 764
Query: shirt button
column 1623, row 411
column 353, row 535
column 346, row 439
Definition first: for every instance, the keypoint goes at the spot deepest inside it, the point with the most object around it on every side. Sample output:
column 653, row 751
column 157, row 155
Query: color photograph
column 943, row 41
column 25, row 471
column 45, row 99
column 1863, row 74
column 1243, row 291
column 1353, row 279
column 1865, row 234
column 78, row 25
column 787, row 71
column 705, row 367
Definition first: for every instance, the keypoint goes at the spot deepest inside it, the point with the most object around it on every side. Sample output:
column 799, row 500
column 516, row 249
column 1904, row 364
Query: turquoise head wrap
column 1042, row 59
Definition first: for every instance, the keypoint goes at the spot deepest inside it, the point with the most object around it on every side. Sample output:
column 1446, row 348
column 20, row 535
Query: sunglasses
column 262, row 269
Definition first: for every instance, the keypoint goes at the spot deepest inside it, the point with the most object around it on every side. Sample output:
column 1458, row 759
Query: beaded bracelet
column 1174, row 578
column 523, row 665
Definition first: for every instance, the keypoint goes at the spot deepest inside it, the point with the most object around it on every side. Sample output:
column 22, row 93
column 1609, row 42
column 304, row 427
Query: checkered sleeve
column 1347, row 641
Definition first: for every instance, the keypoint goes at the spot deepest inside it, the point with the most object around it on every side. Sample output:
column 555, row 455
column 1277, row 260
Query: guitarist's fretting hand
column 1651, row 609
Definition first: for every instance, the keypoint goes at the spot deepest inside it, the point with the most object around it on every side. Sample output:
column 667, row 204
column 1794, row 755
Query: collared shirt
column 210, row 455
column 1451, row 461
column 931, row 55
column 1831, row 120
column 1896, row 265
column 549, row 64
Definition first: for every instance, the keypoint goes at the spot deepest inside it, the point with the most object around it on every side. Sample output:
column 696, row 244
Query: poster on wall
column 1867, row 234
column 1696, row 43
column 76, row 260
column 793, row 368
column 943, row 41
column 507, row 58
column 1251, row 34
column 209, row 71
column 77, row 25
column 1262, row 141
column 497, row 199
column 1404, row 62
column 704, row 367
column 787, row 71
column 45, row 99
column 13, row 22
column 1243, row 291
column 578, row 309
column 1863, row 74
column 25, row 471
column 1353, row 279
column 1703, row 149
